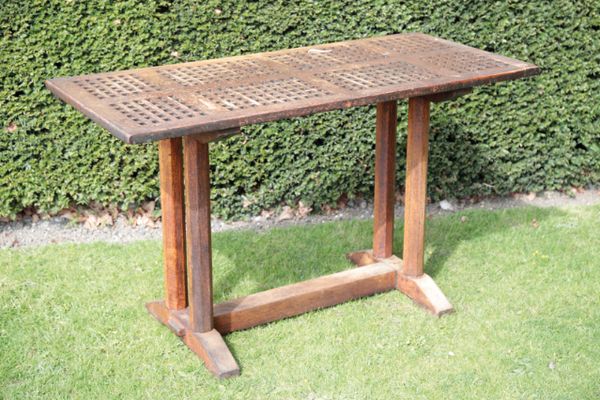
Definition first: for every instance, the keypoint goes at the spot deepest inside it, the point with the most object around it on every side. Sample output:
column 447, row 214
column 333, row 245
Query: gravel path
column 26, row 233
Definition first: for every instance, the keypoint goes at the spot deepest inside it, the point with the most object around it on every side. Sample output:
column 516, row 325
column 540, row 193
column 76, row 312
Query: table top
column 147, row 104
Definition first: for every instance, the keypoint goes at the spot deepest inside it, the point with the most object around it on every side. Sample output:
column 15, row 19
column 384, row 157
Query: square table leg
column 200, row 324
column 198, row 234
column 201, row 336
column 170, row 155
column 194, row 324
column 385, row 172
column 411, row 279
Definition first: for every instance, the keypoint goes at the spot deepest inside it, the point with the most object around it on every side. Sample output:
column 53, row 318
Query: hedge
column 528, row 135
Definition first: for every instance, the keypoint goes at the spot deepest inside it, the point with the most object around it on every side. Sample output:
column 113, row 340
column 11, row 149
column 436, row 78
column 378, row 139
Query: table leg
column 199, row 257
column 385, row 168
column 170, row 155
column 410, row 277
column 383, row 271
column 194, row 324
column 202, row 337
column 415, row 195
column 412, row 280
column 384, row 196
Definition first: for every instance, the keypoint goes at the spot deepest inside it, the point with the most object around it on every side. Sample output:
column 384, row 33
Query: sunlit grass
column 527, row 321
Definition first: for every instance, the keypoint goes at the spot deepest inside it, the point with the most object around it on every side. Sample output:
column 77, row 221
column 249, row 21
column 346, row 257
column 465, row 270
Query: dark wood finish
column 415, row 197
column 176, row 320
column 411, row 279
column 290, row 300
column 362, row 258
column 422, row 289
column 212, row 349
column 209, row 346
column 446, row 96
column 216, row 136
column 298, row 298
column 197, row 211
column 206, row 101
column 424, row 292
column 170, row 154
column 205, row 96
column 385, row 172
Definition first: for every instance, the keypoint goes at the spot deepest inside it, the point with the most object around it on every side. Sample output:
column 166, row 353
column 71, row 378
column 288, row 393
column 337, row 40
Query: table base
column 188, row 309
column 371, row 277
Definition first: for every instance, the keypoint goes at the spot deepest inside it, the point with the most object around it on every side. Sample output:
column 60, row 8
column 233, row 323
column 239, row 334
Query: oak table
column 186, row 106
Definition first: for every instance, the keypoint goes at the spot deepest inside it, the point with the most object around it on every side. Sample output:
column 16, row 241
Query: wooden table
column 186, row 106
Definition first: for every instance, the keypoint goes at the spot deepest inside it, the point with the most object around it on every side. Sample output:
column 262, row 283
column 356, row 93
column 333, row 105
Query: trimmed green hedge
column 527, row 135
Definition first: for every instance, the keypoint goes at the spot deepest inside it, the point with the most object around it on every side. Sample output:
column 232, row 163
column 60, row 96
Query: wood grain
column 422, row 289
column 209, row 346
column 206, row 96
column 361, row 258
column 415, row 197
column 385, row 172
column 425, row 292
column 213, row 350
column 176, row 320
column 170, row 154
column 447, row 96
column 209, row 100
column 298, row 298
column 365, row 257
column 216, row 136
column 199, row 256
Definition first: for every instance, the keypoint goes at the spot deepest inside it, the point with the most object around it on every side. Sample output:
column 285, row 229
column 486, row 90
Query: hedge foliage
column 527, row 135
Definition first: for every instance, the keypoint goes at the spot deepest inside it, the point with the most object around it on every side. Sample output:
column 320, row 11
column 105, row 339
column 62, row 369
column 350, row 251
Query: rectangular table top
column 147, row 104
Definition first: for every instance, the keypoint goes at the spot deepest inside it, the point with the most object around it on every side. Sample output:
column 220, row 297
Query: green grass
column 73, row 325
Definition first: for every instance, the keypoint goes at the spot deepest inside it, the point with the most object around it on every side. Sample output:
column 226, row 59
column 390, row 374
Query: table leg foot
column 175, row 320
column 209, row 346
column 363, row 258
column 422, row 290
column 171, row 197
column 213, row 350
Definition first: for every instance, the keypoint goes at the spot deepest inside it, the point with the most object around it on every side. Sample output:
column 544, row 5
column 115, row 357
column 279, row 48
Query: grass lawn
column 525, row 284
